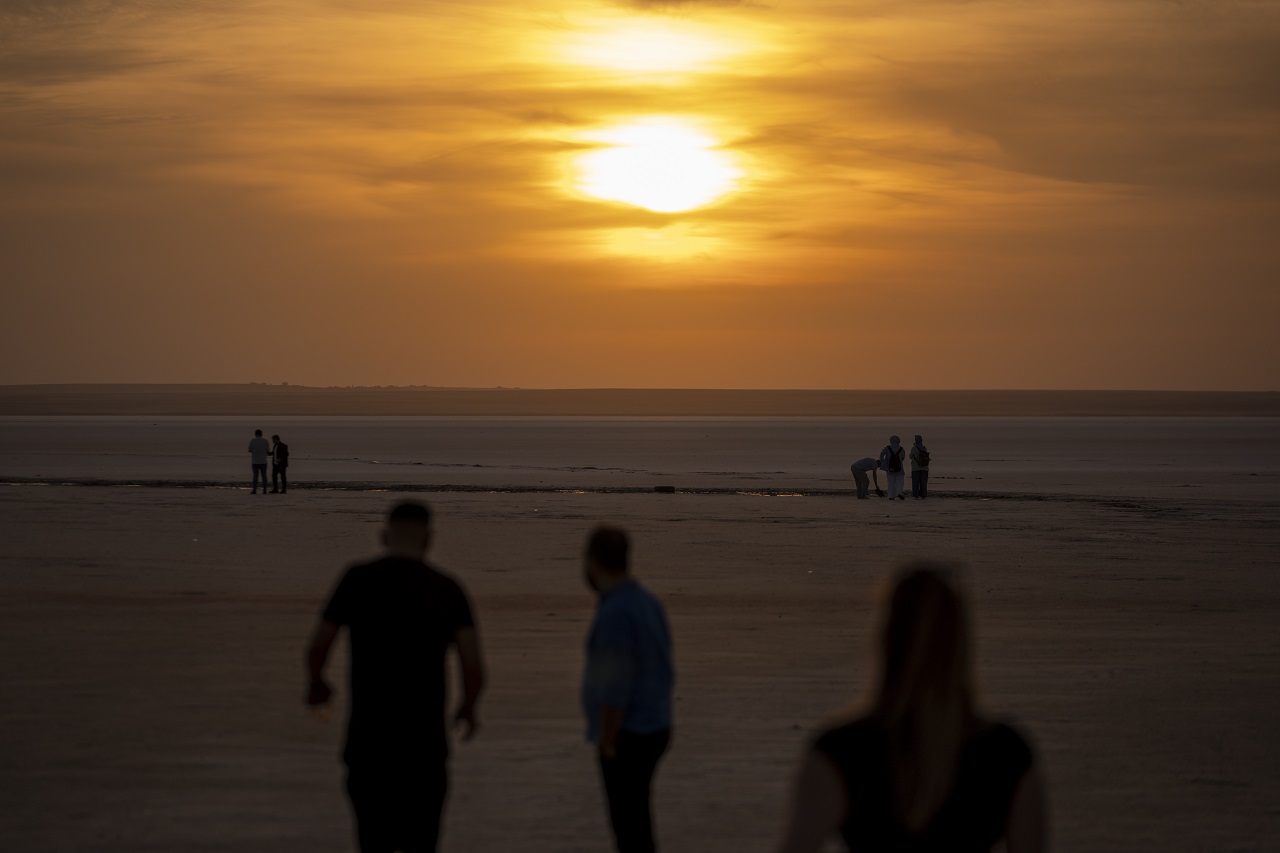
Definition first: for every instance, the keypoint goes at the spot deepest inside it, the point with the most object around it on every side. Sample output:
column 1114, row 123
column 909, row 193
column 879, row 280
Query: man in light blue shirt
column 626, row 688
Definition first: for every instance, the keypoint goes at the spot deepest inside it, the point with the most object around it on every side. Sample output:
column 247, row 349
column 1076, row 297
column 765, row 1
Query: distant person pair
column 891, row 461
column 918, row 769
column 278, row 452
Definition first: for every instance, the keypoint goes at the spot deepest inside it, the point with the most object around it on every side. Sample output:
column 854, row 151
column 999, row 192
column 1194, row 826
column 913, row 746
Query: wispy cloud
column 993, row 160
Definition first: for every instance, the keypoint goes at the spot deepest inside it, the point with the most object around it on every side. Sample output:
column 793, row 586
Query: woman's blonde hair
column 924, row 698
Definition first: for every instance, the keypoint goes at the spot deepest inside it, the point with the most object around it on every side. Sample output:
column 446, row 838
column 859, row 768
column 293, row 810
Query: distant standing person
column 402, row 615
column 279, row 466
column 891, row 459
column 918, row 768
column 259, row 451
column 860, row 469
column 626, row 688
column 919, row 470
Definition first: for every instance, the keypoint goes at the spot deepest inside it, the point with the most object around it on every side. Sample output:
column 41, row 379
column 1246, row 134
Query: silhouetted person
column 919, row 469
column 891, row 462
column 402, row 616
column 279, row 465
column 259, row 450
column 626, row 689
column 918, row 769
column 860, row 469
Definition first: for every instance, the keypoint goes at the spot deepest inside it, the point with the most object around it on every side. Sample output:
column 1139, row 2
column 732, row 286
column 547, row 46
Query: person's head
column 605, row 560
column 924, row 697
column 924, row 640
column 894, row 440
column 276, row 438
column 408, row 530
column 258, row 433
column 919, row 441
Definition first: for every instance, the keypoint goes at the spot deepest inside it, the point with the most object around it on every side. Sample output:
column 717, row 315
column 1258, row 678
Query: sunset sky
column 1061, row 194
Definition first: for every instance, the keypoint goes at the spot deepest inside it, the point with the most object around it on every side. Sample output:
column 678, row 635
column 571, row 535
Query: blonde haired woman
column 919, row 770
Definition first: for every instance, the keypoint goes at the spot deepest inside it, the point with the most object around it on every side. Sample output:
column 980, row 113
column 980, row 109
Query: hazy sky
column 885, row 194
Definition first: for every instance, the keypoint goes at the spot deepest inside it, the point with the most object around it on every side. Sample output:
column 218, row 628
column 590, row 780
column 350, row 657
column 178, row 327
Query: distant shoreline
column 297, row 400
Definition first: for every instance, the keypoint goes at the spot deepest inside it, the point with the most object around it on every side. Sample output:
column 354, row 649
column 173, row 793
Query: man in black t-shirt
column 402, row 616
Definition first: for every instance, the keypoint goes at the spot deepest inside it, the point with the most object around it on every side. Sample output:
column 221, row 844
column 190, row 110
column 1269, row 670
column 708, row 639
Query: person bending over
column 860, row 469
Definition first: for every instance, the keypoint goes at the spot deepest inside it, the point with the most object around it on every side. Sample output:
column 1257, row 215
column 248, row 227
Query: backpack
column 895, row 460
column 922, row 458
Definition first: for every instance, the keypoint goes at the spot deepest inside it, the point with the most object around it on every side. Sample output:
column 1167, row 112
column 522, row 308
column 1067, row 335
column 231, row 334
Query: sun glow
column 650, row 47
column 662, row 165
column 679, row 241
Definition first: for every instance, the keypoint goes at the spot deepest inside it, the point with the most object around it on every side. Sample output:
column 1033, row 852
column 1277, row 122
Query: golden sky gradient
column 1060, row 194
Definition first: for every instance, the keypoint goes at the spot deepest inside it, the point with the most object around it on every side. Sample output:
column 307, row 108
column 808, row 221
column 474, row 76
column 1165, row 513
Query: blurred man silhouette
column 918, row 769
column 402, row 615
column 626, row 688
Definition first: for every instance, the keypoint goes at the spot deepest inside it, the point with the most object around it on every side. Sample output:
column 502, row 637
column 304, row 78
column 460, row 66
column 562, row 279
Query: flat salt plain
column 1123, row 573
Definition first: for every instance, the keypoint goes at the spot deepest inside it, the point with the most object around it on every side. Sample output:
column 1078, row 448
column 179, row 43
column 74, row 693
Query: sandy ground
column 151, row 643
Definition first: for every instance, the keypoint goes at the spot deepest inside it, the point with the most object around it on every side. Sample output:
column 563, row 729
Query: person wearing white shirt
column 891, row 462
column 259, row 453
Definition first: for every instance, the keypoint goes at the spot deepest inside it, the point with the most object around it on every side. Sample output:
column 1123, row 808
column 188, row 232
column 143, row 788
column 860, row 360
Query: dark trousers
column 397, row 809
column 628, row 785
column 280, row 478
column 919, row 482
column 864, row 483
column 260, row 470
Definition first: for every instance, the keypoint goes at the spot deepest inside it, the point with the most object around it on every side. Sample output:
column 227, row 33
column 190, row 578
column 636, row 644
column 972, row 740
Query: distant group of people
column 917, row 769
column 892, row 461
column 277, row 453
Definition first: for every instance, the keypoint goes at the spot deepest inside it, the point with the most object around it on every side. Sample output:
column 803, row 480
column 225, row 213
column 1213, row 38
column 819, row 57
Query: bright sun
column 663, row 165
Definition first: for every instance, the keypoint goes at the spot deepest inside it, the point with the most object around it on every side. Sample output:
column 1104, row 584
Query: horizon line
column 649, row 388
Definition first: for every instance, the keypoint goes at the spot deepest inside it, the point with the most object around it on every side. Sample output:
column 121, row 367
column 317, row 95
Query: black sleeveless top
column 973, row 818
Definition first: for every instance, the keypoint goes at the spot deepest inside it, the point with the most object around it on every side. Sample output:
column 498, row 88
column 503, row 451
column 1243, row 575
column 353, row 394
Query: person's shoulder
column 362, row 568
column 846, row 733
column 647, row 597
column 444, row 578
column 1003, row 738
column 644, row 591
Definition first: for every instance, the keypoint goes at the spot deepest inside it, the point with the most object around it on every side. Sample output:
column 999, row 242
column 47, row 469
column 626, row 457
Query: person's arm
column 318, row 690
column 611, row 677
column 1027, row 829
column 875, row 473
column 610, row 725
column 818, row 805
column 472, row 662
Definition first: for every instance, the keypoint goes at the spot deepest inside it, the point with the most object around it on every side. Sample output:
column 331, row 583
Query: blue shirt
column 629, row 662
